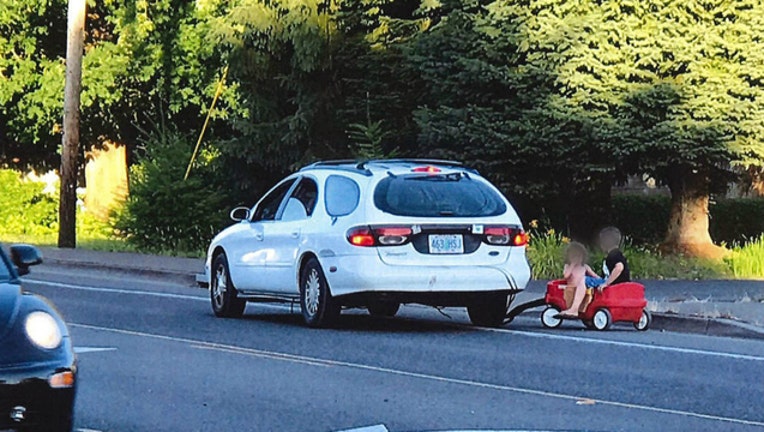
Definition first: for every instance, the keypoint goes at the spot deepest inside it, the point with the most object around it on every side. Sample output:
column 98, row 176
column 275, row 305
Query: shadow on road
column 365, row 323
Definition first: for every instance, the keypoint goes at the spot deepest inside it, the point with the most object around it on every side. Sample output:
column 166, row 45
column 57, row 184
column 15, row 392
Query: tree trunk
column 688, row 219
column 67, row 207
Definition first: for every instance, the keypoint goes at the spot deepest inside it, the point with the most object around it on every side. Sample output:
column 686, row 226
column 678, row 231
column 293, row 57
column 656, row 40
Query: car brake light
column 505, row 236
column 392, row 236
column 379, row 236
column 429, row 169
column 361, row 237
column 520, row 239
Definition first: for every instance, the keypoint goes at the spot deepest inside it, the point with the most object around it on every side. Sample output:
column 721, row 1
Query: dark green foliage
column 737, row 220
column 554, row 100
column 643, row 218
column 164, row 212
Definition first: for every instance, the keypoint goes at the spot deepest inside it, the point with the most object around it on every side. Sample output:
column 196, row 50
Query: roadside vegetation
column 30, row 215
column 746, row 261
column 554, row 101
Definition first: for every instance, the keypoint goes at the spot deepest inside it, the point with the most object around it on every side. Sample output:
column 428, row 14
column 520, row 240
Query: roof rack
column 331, row 162
column 350, row 165
column 450, row 163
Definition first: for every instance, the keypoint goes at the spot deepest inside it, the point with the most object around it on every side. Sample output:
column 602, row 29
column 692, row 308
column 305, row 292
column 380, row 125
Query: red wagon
column 623, row 302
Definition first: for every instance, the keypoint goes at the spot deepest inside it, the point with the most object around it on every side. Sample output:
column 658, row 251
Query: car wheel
column 602, row 319
column 489, row 312
column 383, row 309
column 319, row 308
column 223, row 295
column 548, row 319
column 644, row 321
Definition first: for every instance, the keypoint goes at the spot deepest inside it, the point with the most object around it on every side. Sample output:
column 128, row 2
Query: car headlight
column 43, row 330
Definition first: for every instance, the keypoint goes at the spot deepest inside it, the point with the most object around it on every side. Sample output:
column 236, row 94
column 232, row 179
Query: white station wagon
column 375, row 234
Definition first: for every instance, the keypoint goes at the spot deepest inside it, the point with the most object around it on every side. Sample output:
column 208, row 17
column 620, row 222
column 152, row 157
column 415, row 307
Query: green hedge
column 644, row 218
column 24, row 208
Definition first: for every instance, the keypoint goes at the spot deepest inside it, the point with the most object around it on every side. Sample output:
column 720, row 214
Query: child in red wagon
column 577, row 273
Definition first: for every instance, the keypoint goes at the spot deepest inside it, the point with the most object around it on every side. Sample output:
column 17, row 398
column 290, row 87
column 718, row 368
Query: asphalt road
column 154, row 358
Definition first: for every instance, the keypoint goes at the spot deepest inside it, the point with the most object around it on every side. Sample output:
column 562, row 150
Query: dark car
column 38, row 369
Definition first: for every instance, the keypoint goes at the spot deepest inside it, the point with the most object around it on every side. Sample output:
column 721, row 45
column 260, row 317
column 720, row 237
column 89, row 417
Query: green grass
column 92, row 234
column 747, row 261
column 545, row 252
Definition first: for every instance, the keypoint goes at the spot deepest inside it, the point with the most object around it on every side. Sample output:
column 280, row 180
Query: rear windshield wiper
column 439, row 177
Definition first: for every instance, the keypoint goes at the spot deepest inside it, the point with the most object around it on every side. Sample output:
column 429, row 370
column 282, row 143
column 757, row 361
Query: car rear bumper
column 368, row 274
column 27, row 390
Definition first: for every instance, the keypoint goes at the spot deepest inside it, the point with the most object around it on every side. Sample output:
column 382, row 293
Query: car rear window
column 442, row 195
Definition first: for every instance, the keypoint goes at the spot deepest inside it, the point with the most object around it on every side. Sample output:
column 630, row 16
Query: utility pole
column 75, row 41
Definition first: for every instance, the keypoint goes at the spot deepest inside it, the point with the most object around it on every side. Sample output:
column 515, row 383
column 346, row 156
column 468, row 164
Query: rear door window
column 442, row 195
column 341, row 195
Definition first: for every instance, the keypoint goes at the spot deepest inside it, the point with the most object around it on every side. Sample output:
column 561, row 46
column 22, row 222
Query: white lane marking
column 375, row 428
column 359, row 366
column 87, row 430
column 667, row 348
column 625, row 344
column 118, row 291
column 144, row 293
column 84, row 350
column 257, row 353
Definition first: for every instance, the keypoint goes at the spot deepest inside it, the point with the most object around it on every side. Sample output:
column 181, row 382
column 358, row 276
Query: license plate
column 446, row 244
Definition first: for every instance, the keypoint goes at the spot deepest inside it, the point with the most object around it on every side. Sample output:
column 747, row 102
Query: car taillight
column 505, row 236
column 361, row 236
column 379, row 236
column 392, row 236
column 521, row 238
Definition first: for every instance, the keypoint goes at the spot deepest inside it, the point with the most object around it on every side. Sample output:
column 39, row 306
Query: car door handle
column 259, row 236
column 295, row 234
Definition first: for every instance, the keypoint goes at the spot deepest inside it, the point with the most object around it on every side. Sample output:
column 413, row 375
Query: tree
column 592, row 90
column 497, row 97
column 695, row 103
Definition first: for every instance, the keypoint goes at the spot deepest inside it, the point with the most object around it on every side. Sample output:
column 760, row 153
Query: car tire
column 548, row 319
column 491, row 311
column 602, row 319
column 223, row 295
column 319, row 308
column 383, row 309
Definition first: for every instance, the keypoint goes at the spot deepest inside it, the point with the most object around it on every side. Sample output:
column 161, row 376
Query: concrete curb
column 186, row 277
column 706, row 326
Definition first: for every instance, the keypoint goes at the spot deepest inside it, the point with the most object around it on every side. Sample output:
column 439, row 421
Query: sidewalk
column 123, row 261
column 721, row 300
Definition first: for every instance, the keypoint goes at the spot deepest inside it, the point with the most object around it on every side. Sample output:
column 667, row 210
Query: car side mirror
column 239, row 214
column 25, row 256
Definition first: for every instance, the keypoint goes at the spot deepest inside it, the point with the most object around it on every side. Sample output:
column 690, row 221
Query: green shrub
column 747, row 262
column 644, row 219
column 545, row 253
column 25, row 210
column 737, row 220
column 164, row 213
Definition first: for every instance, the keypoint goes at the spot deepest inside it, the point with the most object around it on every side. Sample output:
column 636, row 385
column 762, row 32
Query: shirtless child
column 575, row 272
